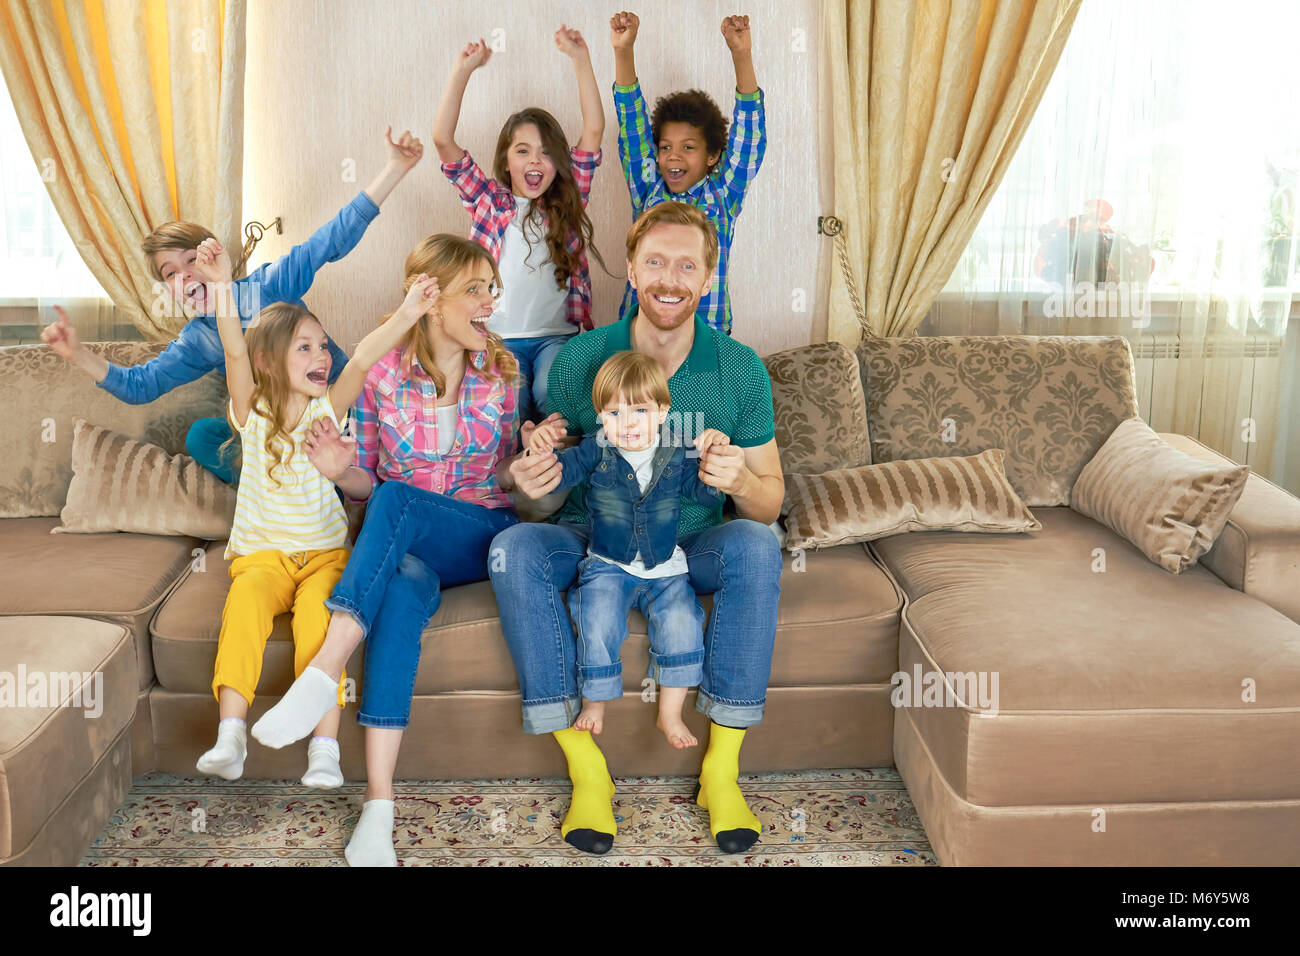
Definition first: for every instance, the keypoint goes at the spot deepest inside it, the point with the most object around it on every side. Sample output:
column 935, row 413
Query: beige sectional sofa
column 1120, row 692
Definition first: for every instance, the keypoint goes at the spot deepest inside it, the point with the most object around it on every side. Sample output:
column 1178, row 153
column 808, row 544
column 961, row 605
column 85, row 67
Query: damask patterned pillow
column 42, row 394
column 821, row 424
column 1049, row 401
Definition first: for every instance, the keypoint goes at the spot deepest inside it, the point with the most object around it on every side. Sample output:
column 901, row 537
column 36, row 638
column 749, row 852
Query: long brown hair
column 268, row 340
column 561, row 204
column 445, row 257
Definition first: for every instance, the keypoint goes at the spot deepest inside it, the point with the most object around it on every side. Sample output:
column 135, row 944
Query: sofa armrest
column 1259, row 549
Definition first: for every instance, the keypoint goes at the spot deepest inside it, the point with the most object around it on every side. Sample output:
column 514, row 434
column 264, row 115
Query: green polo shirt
column 722, row 384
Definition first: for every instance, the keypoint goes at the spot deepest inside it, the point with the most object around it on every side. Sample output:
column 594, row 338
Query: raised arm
column 636, row 149
column 622, row 35
column 419, row 301
column 213, row 266
column 402, row 157
column 571, row 43
column 735, row 30
column 468, row 60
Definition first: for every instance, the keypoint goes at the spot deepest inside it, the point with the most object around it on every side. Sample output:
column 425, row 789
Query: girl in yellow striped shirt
column 288, row 542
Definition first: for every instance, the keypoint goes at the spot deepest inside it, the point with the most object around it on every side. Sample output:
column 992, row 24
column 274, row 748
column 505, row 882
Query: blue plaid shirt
column 719, row 195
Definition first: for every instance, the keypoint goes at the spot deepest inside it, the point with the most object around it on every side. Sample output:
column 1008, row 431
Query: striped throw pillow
column 918, row 494
column 1169, row 505
column 120, row 484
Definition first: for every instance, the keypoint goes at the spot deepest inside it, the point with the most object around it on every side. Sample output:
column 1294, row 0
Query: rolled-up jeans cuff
column 677, row 670
column 729, row 715
column 602, row 688
column 338, row 604
column 383, row 723
column 552, row 716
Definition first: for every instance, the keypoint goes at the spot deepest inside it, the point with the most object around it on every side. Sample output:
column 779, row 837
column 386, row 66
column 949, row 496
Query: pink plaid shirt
column 491, row 207
column 396, row 427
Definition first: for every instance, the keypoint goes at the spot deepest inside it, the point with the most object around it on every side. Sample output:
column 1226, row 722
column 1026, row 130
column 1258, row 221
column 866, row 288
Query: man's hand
column 473, row 56
column 406, row 152
column 62, row 337
column 571, row 44
column 537, row 475
column 735, row 30
column 723, row 466
column 331, row 452
column 622, row 30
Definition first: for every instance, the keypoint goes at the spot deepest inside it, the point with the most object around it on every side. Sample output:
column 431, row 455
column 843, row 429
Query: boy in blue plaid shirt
column 678, row 153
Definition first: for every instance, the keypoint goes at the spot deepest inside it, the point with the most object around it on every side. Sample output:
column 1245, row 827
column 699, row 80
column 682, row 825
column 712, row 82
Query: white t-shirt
column 642, row 463
column 448, row 418
column 531, row 304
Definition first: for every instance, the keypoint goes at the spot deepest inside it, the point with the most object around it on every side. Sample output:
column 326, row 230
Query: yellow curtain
column 930, row 99
column 134, row 111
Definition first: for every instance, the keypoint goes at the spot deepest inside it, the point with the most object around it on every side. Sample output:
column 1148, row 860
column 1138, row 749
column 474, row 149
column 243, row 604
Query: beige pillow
column 919, row 494
column 1171, row 506
column 818, row 412
column 120, row 484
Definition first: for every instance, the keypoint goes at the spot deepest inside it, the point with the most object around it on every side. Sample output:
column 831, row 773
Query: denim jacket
column 623, row 520
column 197, row 349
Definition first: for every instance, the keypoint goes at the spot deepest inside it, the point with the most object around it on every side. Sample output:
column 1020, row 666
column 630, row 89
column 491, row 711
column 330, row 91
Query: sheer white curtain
column 1154, row 196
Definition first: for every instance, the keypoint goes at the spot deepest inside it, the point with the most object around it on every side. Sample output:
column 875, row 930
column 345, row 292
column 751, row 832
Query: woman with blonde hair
column 435, row 420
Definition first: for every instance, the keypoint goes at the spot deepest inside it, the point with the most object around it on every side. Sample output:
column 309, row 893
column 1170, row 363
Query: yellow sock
column 719, row 791
column 593, row 788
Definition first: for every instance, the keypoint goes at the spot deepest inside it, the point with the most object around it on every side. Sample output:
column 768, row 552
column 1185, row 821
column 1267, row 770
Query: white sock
column 306, row 701
column 372, row 840
column 323, row 769
column 226, row 758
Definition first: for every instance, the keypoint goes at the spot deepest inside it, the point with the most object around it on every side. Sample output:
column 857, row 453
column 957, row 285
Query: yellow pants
column 264, row 584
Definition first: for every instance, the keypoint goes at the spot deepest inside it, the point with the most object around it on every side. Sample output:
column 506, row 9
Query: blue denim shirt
column 197, row 349
column 623, row 520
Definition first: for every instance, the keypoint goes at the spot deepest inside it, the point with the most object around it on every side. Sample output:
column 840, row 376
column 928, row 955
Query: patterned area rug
column 810, row 818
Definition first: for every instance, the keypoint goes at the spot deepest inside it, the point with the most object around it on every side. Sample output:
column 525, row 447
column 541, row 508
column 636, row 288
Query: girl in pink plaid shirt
column 532, row 215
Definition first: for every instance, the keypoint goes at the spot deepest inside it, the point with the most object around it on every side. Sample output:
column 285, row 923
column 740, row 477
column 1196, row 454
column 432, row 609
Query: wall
column 324, row 79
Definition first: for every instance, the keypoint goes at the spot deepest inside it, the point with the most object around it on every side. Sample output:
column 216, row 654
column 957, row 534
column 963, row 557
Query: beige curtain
column 133, row 109
column 930, row 99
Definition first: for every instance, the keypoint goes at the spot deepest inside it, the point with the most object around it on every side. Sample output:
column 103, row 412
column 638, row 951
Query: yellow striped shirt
column 302, row 513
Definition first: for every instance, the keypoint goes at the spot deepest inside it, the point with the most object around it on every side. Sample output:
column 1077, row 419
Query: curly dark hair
column 697, row 108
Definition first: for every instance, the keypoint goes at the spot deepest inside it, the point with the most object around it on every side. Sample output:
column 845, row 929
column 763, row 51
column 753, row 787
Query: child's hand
column 622, row 30
column 331, row 452
column 735, row 30
column 473, row 56
column 406, row 152
column 420, row 299
column 708, row 438
column 61, row 336
column 544, row 439
column 212, row 262
column 571, row 44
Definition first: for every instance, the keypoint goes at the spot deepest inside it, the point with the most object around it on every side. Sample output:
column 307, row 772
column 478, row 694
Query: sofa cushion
column 821, row 422
column 1049, row 401
column 1170, row 505
column 85, row 673
column 120, row 484
column 1116, row 682
column 116, row 576
column 42, row 394
column 837, row 624
column 893, row 497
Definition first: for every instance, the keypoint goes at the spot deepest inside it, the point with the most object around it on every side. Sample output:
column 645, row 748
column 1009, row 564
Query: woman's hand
column 331, row 452
column 406, row 152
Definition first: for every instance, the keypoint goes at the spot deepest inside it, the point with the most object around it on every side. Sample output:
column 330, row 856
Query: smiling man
column 672, row 252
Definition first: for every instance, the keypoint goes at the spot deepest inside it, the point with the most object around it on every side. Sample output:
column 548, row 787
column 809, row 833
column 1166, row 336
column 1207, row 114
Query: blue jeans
column 738, row 562
column 203, row 443
column 535, row 356
column 599, row 603
column 413, row 544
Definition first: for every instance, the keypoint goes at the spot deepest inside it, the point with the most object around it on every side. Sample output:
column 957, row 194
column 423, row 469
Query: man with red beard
column 714, row 382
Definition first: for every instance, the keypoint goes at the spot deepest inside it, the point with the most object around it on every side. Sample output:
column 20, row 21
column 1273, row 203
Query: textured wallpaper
column 326, row 76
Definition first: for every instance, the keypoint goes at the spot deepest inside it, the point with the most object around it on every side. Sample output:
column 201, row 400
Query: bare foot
column 592, row 716
column 678, row 734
